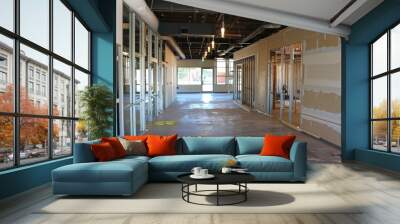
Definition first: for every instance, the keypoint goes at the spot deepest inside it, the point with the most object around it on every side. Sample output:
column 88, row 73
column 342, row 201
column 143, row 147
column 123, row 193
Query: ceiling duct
column 252, row 35
column 140, row 7
column 172, row 43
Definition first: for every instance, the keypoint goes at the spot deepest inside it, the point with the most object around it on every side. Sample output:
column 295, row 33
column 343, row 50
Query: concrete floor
column 216, row 115
column 376, row 191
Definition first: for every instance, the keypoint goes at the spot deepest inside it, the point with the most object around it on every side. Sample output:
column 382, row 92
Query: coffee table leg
column 245, row 193
column 217, row 194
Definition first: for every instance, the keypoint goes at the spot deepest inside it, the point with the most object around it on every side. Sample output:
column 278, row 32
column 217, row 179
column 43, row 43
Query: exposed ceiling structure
column 325, row 16
column 194, row 29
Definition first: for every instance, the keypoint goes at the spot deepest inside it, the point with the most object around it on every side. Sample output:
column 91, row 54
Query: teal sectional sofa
column 125, row 176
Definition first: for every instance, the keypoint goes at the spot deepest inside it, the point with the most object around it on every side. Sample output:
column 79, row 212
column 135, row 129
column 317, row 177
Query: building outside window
column 30, row 87
column 35, row 143
column 385, row 92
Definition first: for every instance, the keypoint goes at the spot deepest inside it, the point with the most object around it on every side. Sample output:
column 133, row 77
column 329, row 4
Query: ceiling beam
column 267, row 15
column 347, row 11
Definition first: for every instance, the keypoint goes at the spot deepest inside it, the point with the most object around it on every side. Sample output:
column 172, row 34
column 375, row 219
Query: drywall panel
column 322, row 82
column 321, row 104
column 170, row 76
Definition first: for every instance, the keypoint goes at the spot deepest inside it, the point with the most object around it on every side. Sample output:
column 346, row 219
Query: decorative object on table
column 200, row 173
column 226, row 170
column 196, row 170
column 238, row 196
column 231, row 163
column 97, row 104
column 230, row 170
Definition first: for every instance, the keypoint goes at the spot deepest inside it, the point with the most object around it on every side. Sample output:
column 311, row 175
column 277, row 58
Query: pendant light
column 223, row 28
column 208, row 49
column 213, row 43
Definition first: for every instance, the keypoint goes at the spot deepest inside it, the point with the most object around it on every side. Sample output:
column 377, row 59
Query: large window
column 189, row 76
column 221, row 71
column 40, row 81
column 385, row 91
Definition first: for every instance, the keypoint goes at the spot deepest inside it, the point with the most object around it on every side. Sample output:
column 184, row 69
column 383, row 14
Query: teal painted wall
column 27, row 177
column 104, row 53
column 355, row 85
column 99, row 16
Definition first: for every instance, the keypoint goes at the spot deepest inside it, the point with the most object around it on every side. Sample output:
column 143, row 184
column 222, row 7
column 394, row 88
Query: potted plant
column 96, row 102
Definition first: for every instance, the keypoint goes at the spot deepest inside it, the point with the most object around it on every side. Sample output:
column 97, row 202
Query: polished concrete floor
column 216, row 115
column 376, row 191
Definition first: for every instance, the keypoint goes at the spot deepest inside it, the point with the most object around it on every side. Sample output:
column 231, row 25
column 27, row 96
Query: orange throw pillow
column 116, row 145
column 142, row 138
column 103, row 152
column 161, row 145
column 275, row 145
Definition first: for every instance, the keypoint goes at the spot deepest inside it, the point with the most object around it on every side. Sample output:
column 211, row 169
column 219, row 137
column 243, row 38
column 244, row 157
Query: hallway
column 216, row 115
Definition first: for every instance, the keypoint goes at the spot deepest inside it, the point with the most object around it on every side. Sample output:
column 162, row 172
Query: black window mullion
column 371, row 124
column 50, row 81
column 389, row 100
column 73, row 81
column 16, row 85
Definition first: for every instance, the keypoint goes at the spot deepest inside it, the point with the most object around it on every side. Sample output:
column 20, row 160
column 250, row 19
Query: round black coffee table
column 238, row 179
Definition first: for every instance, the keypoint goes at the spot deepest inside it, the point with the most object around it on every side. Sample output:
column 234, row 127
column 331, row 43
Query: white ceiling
column 315, row 15
column 320, row 9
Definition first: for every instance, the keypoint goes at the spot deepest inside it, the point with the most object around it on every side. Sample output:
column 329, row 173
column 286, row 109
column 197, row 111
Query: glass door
column 207, row 78
column 287, row 78
column 127, row 113
column 239, row 77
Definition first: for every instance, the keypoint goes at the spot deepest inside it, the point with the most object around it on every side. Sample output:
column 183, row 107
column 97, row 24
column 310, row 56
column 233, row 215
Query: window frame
column 189, row 75
column 16, row 114
column 388, row 74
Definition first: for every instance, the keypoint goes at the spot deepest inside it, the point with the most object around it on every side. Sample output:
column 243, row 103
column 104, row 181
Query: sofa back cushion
column 104, row 152
column 249, row 145
column 161, row 145
column 207, row 145
column 83, row 152
column 116, row 145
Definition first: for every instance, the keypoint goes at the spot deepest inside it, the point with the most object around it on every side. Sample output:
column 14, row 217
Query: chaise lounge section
column 125, row 176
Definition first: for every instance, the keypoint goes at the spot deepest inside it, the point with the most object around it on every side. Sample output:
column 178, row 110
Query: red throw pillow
column 161, row 145
column 142, row 138
column 116, row 145
column 103, row 152
column 277, row 145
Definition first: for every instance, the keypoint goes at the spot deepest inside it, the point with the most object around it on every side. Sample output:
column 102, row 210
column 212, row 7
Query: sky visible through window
column 35, row 12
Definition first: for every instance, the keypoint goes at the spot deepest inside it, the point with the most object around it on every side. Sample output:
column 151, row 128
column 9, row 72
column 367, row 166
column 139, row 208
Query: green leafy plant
column 96, row 102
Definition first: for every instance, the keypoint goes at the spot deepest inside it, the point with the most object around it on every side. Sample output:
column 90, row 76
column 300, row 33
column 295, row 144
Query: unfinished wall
column 321, row 98
column 170, row 77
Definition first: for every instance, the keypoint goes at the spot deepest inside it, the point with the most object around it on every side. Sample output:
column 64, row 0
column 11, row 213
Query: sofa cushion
column 136, row 147
column 257, row 163
column 103, row 152
column 117, row 146
column 249, row 145
column 112, row 171
column 185, row 163
column 208, row 145
column 161, row 145
column 277, row 145
column 83, row 152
